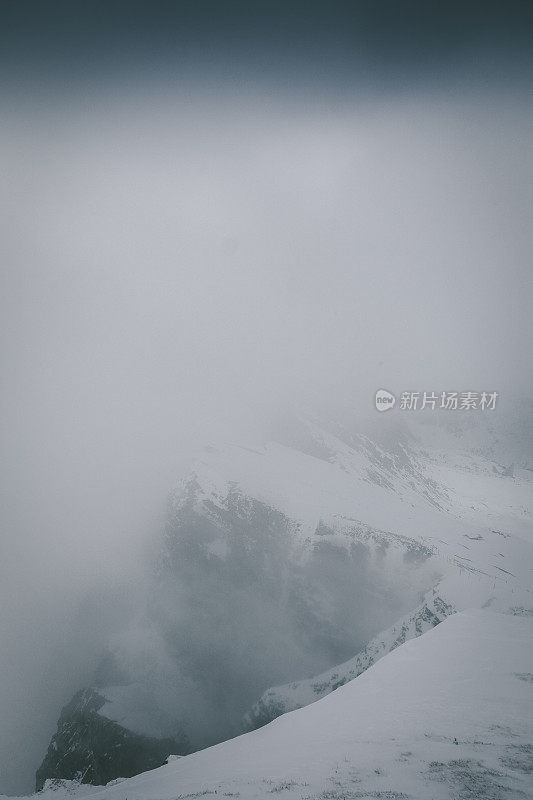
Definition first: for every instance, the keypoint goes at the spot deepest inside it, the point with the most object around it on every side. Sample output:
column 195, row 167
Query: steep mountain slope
column 283, row 559
column 281, row 699
column 449, row 714
column 471, row 493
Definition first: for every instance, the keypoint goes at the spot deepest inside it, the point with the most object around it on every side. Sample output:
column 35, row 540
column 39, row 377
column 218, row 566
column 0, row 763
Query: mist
column 181, row 259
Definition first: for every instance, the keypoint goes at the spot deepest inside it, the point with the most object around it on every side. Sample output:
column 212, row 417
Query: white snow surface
column 468, row 514
column 446, row 715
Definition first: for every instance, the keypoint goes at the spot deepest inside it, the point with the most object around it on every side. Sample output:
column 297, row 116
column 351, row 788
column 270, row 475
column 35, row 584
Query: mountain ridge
column 281, row 547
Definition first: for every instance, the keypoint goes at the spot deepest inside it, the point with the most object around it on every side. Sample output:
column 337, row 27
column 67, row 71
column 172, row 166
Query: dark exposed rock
column 90, row 748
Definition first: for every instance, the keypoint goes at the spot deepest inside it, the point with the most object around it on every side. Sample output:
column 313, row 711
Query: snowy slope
column 480, row 537
column 447, row 715
column 411, row 523
column 467, row 507
column 281, row 699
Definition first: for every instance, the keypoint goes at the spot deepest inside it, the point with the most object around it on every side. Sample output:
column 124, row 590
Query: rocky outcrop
column 90, row 748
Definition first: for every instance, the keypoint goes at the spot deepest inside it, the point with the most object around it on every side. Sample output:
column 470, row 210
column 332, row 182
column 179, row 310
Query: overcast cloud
column 177, row 263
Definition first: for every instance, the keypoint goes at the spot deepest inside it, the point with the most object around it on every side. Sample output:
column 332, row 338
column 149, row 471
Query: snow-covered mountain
column 446, row 715
column 303, row 563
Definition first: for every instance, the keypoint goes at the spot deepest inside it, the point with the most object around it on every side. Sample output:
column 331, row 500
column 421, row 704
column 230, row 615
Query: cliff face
column 90, row 748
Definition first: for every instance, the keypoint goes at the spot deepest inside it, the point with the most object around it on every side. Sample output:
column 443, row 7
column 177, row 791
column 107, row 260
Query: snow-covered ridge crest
column 448, row 714
column 281, row 699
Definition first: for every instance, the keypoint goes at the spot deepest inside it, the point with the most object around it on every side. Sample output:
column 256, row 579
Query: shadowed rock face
column 264, row 603
column 90, row 748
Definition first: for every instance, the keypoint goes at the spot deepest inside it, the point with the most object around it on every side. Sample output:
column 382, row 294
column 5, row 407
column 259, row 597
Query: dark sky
column 380, row 41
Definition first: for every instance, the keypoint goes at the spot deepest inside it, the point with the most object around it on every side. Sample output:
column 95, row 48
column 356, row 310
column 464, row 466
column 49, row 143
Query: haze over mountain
column 213, row 213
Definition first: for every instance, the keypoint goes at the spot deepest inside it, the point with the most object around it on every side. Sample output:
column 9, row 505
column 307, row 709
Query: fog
column 181, row 262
